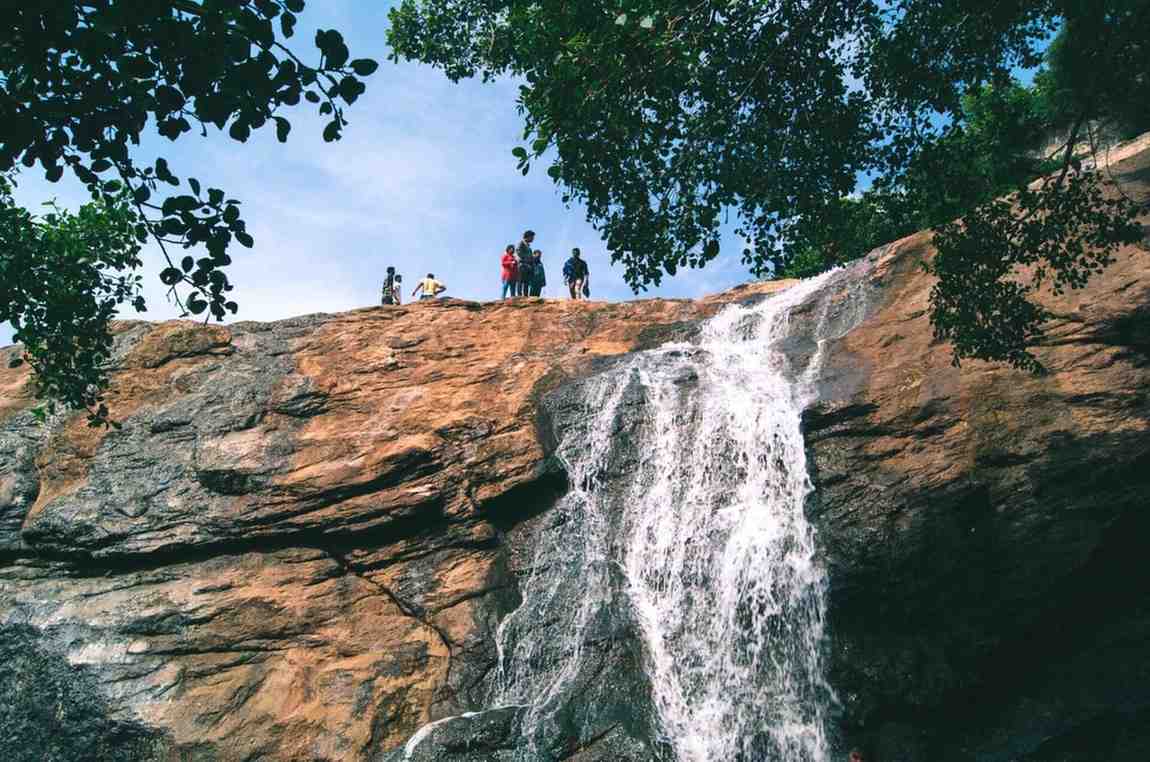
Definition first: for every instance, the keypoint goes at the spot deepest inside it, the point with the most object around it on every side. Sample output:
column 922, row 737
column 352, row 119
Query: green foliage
column 81, row 82
column 1061, row 234
column 62, row 278
column 668, row 117
column 1100, row 64
column 988, row 151
column 665, row 115
column 840, row 231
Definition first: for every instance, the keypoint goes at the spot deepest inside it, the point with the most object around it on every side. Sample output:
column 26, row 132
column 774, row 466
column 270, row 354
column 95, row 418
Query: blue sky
column 423, row 179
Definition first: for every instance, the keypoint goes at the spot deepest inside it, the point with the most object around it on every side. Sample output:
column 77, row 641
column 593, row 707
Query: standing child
column 538, row 277
column 510, row 271
column 387, row 294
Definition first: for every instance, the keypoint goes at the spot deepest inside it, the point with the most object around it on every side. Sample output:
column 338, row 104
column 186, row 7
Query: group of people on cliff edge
column 392, row 293
column 523, row 274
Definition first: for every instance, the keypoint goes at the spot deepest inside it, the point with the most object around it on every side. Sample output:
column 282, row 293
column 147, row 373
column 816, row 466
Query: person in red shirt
column 510, row 271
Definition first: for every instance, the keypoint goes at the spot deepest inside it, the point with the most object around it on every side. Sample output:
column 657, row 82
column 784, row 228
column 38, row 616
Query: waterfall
column 706, row 544
column 719, row 556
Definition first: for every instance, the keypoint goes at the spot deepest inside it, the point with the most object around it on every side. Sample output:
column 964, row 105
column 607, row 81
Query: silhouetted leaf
column 239, row 131
column 364, row 67
column 283, row 127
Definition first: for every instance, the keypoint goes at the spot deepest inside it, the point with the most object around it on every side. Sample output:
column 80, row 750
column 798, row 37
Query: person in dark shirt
column 538, row 276
column 526, row 260
column 576, row 275
column 387, row 293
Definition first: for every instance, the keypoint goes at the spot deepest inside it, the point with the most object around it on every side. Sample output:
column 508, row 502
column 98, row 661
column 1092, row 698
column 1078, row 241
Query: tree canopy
column 666, row 117
column 62, row 279
column 80, row 83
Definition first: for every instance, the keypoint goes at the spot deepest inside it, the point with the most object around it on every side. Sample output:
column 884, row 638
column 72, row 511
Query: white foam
column 717, row 556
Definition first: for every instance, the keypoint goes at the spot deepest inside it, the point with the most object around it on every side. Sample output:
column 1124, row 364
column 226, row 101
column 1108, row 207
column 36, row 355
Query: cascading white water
column 709, row 544
column 534, row 672
column 720, row 557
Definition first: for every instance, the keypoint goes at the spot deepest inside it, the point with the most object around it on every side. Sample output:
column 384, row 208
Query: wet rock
column 298, row 544
column 985, row 529
column 54, row 711
column 486, row 736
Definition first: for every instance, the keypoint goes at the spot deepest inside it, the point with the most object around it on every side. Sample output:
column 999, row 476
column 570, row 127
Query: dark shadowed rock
column 54, row 711
column 986, row 529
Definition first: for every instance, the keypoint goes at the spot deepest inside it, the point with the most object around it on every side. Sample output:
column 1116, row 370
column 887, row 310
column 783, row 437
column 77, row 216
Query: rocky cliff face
column 302, row 539
column 294, row 547
column 986, row 530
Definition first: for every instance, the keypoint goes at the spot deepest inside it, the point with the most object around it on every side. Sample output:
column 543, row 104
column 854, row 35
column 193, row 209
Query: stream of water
column 709, row 547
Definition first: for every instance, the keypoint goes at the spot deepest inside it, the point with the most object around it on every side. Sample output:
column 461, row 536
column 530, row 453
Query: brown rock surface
column 985, row 528
column 291, row 548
